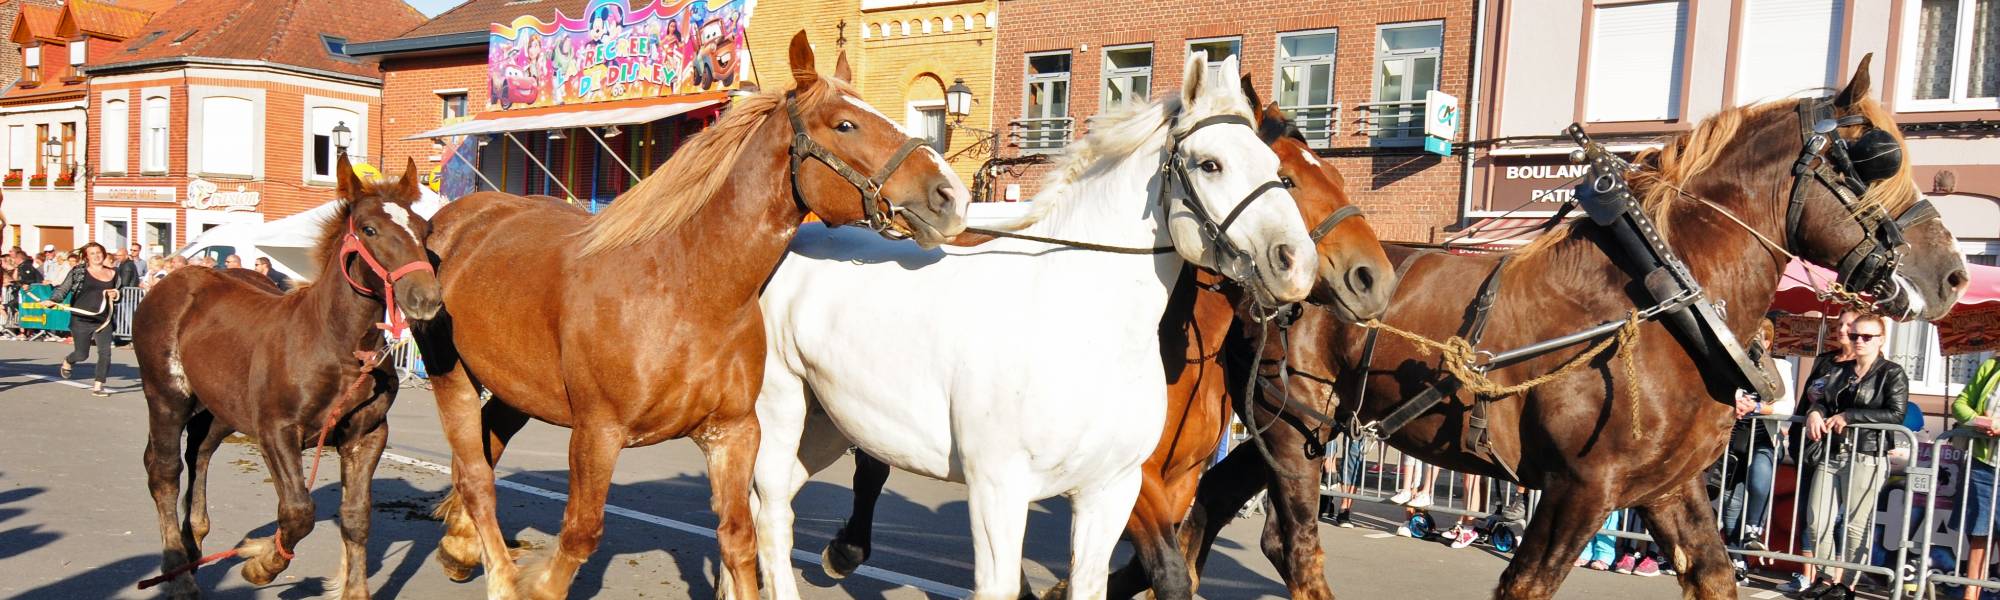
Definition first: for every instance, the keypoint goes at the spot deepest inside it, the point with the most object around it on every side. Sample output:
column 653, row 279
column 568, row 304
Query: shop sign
column 114, row 193
column 615, row 52
column 204, row 194
column 1532, row 183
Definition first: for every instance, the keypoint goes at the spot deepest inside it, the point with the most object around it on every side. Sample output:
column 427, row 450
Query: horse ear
column 803, row 73
column 346, row 185
column 1197, row 68
column 1250, row 92
column 840, row 69
column 408, row 190
column 1857, row 86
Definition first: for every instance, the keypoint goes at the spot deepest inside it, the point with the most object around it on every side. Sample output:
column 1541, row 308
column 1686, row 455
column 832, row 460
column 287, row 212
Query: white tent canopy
column 288, row 242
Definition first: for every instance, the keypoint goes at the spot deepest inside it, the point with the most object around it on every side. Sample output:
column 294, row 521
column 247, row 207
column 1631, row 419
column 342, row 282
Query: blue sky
column 431, row 8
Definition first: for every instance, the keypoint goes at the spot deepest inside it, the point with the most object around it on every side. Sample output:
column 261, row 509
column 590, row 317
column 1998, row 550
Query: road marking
column 1767, row 595
column 878, row 574
column 75, row 384
column 1377, row 536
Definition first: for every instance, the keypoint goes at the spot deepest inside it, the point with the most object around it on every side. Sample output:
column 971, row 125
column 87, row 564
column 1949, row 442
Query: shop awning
column 1499, row 233
column 573, row 116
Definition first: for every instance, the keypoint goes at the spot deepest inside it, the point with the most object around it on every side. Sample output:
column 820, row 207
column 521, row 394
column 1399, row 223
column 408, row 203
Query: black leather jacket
column 1881, row 397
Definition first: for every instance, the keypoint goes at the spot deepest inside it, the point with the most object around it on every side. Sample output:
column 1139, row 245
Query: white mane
column 1122, row 134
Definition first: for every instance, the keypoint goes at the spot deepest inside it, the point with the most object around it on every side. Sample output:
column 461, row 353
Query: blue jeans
column 1762, row 471
column 1604, row 547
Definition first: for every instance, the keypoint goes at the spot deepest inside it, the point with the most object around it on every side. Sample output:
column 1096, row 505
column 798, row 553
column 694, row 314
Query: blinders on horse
column 877, row 211
column 1846, row 169
column 1212, row 231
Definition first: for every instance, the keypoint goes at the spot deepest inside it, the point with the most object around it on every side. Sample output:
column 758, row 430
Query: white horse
column 1037, row 371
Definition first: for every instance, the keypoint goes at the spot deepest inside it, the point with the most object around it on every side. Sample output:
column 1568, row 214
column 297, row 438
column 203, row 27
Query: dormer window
column 76, row 51
column 336, row 47
column 31, row 62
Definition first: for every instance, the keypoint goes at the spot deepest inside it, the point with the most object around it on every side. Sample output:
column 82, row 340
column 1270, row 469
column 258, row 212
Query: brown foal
column 1584, row 439
column 664, row 339
column 221, row 352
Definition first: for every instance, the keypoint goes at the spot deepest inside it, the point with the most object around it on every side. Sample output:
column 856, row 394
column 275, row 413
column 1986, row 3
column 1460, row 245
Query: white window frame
column 1028, row 83
column 155, row 133
column 1110, row 74
column 358, row 125
column 1410, row 57
column 1746, row 58
column 914, row 121
column 1304, row 64
column 78, row 49
column 1215, row 66
column 31, row 56
column 198, row 137
column 114, row 149
column 1961, row 67
column 1677, row 92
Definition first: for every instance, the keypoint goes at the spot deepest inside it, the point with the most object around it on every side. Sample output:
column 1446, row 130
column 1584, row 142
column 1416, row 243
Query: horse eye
column 1287, row 182
column 844, row 126
column 1210, row 166
column 368, row 230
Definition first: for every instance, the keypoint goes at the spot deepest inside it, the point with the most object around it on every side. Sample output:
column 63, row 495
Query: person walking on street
column 1852, row 466
column 1975, row 408
column 91, row 289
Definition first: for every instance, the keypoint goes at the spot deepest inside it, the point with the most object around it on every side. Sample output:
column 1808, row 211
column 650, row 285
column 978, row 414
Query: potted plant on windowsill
column 13, row 179
column 38, row 180
column 67, row 178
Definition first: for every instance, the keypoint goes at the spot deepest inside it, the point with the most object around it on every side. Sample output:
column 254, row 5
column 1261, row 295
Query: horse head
column 1880, row 235
column 382, row 246
column 1228, row 210
column 853, row 164
column 1356, row 279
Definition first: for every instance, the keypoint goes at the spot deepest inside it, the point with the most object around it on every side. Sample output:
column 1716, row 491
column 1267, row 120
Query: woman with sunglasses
column 1851, row 466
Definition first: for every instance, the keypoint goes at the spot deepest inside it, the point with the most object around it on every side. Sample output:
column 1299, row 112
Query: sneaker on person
column 1344, row 520
column 1464, row 538
column 1647, row 568
column 1753, row 538
column 1625, row 564
column 1796, row 584
column 1404, row 530
column 1402, row 497
column 1423, row 501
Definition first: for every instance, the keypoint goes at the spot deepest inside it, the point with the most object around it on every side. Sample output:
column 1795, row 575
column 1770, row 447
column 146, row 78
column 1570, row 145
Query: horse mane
column 1672, row 168
column 668, row 197
column 1123, row 133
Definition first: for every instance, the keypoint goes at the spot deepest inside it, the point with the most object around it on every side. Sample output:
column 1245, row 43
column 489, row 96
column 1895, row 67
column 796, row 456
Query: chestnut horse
column 1583, row 438
column 652, row 331
column 1355, row 281
column 224, row 351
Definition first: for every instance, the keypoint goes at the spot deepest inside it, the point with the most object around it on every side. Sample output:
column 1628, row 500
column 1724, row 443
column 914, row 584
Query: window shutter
column 76, row 50
column 31, row 56
column 228, row 136
column 1635, row 62
column 21, row 149
column 114, row 135
column 1789, row 47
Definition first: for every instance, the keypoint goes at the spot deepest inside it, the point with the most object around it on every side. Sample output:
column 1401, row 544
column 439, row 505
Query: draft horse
column 653, row 332
column 224, row 351
column 1729, row 202
column 1355, row 280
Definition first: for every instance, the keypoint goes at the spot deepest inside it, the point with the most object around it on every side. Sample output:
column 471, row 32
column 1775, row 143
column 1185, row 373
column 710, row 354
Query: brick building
column 904, row 55
column 1354, row 75
column 498, row 94
column 42, row 115
column 219, row 112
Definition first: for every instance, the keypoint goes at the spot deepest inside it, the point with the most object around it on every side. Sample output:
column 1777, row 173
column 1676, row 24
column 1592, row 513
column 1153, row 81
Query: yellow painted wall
column 891, row 68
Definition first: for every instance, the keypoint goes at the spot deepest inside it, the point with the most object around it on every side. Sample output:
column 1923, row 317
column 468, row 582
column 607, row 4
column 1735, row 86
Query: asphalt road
column 76, row 520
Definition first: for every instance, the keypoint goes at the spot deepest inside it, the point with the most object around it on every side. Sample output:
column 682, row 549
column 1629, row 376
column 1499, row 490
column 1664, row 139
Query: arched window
column 113, row 131
column 321, row 150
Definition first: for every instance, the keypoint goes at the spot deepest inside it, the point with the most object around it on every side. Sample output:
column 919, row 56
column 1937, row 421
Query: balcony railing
column 1042, row 136
column 1319, row 122
column 1391, row 123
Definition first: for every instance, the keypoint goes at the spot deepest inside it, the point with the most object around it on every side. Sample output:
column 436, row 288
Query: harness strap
column 1368, row 349
column 1435, row 393
column 1326, row 225
column 874, row 207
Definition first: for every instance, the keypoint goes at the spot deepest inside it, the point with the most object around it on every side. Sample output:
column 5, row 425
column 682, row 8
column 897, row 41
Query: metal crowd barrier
column 128, row 305
column 1946, row 538
column 409, row 363
column 1889, row 536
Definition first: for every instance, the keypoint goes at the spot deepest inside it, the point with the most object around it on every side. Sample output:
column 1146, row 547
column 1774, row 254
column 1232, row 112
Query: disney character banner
column 615, row 52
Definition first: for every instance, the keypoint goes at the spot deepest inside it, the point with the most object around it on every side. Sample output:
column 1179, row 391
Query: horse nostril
column 1957, row 279
column 1361, row 278
column 1284, row 256
column 941, row 197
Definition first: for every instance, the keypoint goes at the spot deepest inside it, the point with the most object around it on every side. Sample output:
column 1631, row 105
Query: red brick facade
column 1409, row 196
column 411, row 104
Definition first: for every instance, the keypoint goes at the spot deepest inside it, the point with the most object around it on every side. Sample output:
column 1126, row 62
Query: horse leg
column 1157, row 561
column 265, row 558
column 852, row 544
column 167, row 417
column 472, row 476
column 1294, row 519
column 1684, row 525
column 1570, row 513
column 359, row 454
column 593, row 453
column 204, row 437
column 458, row 552
column 999, row 520
column 731, row 446
column 1100, row 513
column 794, row 447
column 1223, row 490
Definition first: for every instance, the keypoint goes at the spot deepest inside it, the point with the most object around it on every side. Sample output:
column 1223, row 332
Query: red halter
column 351, row 244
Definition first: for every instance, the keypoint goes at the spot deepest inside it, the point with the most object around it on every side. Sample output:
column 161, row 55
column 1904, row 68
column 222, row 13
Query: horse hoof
column 258, row 572
column 840, row 559
column 454, row 570
column 1059, row 592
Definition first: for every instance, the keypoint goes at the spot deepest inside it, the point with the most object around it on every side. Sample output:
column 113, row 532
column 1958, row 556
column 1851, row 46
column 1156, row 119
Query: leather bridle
column 1212, row 231
column 351, row 244
column 1870, row 265
column 877, row 211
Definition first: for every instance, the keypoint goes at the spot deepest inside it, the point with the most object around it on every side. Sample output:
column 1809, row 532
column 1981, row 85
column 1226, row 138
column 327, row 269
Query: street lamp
column 958, row 99
column 52, row 150
column 342, row 136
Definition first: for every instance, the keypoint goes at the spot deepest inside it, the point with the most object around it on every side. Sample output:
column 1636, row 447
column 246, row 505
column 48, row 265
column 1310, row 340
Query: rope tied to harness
column 370, row 359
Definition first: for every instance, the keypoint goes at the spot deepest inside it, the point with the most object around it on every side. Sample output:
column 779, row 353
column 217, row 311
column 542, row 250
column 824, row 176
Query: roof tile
column 277, row 31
